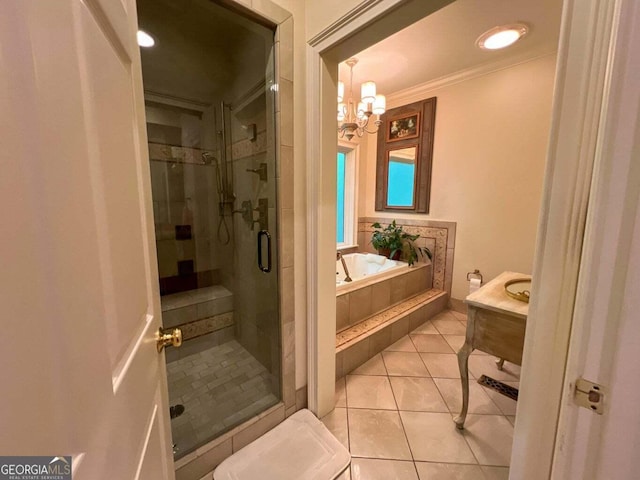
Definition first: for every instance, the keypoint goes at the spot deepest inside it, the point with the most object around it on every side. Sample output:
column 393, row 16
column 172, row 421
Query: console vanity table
column 496, row 325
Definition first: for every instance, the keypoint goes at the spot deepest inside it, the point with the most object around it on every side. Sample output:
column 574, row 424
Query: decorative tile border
column 387, row 330
column 176, row 154
column 437, row 236
column 206, row 325
column 247, row 148
column 350, row 336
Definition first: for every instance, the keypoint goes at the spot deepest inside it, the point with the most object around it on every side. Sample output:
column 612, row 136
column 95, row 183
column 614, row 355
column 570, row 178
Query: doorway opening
column 444, row 195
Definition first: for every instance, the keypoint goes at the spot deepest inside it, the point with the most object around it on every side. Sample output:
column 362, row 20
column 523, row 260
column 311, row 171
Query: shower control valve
column 261, row 171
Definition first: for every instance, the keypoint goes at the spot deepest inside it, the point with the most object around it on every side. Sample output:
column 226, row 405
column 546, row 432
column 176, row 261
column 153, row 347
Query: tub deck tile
column 374, row 323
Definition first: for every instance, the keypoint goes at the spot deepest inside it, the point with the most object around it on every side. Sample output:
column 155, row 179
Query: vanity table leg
column 500, row 363
column 463, row 363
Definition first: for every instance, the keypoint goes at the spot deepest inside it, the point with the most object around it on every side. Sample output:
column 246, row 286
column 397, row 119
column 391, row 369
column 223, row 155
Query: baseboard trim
column 457, row 305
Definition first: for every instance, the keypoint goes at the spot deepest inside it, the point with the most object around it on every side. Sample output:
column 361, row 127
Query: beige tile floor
column 395, row 413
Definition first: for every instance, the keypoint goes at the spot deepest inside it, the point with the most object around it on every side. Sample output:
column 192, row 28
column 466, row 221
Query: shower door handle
column 261, row 234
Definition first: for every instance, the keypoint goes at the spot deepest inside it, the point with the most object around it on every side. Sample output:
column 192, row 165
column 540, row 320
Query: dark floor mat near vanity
column 503, row 388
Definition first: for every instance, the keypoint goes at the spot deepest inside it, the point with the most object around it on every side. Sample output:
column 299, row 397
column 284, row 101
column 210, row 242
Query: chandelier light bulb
column 368, row 92
column 361, row 112
column 341, row 112
column 340, row 92
column 379, row 104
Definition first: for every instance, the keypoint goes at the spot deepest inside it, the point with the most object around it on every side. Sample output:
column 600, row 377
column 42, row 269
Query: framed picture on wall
column 403, row 127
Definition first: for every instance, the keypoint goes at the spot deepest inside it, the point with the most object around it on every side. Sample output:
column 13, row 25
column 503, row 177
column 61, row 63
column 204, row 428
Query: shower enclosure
column 209, row 95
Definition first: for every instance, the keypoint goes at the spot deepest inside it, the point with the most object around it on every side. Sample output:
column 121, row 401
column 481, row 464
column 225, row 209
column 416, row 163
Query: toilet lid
column 299, row 448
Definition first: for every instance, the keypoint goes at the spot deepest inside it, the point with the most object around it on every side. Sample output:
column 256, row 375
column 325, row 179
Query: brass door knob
column 174, row 338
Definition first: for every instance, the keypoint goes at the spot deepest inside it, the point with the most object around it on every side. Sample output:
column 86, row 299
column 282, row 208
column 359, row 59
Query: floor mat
column 299, row 448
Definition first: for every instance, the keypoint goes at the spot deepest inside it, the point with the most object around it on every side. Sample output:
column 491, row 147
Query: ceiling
column 444, row 43
column 203, row 53
column 206, row 53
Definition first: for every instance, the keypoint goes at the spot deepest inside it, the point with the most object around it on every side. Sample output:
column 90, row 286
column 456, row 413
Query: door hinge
column 589, row 395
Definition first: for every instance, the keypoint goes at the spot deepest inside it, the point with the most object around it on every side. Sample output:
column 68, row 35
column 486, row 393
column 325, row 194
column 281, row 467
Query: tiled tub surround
column 372, row 294
column 374, row 311
column 370, row 319
column 438, row 236
column 359, row 343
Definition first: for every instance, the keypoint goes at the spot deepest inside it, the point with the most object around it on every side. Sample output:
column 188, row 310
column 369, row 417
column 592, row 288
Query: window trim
column 351, row 170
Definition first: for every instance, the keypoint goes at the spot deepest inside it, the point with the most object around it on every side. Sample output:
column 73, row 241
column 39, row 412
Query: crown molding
column 420, row 91
column 343, row 21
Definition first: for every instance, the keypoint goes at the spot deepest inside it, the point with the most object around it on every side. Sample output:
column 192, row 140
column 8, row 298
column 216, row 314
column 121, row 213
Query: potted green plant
column 394, row 243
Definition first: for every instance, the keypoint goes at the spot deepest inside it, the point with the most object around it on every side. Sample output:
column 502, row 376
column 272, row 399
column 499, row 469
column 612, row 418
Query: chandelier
column 354, row 119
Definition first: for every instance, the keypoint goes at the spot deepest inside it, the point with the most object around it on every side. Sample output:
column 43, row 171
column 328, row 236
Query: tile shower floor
column 219, row 387
column 395, row 413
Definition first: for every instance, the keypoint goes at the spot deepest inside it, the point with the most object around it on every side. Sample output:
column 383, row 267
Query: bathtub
column 364, row 267
column 384, row 301
column 378, row 283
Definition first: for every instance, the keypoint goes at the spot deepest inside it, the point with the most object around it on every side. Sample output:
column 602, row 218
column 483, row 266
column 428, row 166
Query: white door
column 605, row 335
column 80, row 372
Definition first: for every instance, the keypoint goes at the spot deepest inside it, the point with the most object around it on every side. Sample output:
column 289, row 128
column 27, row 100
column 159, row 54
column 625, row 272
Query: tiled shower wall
column 438, row 236
column 183, row 197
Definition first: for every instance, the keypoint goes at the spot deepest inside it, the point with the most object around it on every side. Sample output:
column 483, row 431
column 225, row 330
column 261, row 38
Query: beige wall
column 490, row 145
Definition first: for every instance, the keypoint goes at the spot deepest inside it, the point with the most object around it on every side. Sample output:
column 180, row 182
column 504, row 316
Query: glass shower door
column 211, row 130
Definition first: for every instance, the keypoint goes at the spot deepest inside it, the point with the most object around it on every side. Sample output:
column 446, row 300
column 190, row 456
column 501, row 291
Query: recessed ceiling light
column 145, row 40
column 501, row 37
